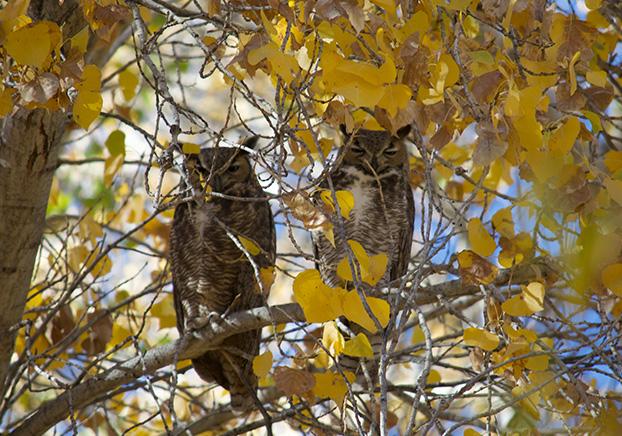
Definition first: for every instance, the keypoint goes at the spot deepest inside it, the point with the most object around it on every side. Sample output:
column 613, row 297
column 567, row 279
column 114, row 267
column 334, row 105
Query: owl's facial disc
column 226, row 170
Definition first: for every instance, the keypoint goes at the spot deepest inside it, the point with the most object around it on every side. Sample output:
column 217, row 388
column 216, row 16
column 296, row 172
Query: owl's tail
column 242, row 382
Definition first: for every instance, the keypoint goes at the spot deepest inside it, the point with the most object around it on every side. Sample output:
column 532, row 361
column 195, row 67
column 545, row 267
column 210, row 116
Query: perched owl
column 374, row 169
column 211, row 275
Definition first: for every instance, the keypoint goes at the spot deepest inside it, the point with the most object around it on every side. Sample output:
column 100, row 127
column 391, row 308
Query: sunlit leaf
column 332, row 385
column 480, row 240
column 530, row 301
column 345, row 200
column 611, row 277
column 262, row 364
column 319, row 302
column 358, row 346
column 354, row 310
column 332, row 339
column 481, row 338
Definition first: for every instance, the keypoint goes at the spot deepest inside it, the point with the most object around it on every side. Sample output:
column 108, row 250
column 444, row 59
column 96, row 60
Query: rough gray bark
column 29, row 149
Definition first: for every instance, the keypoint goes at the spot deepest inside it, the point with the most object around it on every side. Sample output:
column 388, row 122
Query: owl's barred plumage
column 212, row 275
column 375, row 169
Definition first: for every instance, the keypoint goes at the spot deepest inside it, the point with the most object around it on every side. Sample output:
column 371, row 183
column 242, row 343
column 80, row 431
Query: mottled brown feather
column 211, row 274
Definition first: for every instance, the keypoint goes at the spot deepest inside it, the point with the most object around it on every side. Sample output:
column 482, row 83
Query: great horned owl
column 211, row 275
column 374, row 169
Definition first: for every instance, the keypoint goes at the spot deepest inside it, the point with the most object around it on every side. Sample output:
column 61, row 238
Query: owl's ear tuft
column 403, row 131
column 251, row 142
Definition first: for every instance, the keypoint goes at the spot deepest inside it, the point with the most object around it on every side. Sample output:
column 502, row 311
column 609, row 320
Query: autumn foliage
column 509, row 317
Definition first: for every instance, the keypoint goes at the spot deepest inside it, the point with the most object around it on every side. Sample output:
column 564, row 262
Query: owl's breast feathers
column 209, row 270
column 379, row 220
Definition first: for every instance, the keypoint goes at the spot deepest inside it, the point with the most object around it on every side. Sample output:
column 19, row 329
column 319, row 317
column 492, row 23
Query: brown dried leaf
column 567, row 102
column 483, row 87
column 355, row 14
column 441, row 137
column 62, row 324
column 304, row 210
column 292, row 381
column 599, row 97
column 495, row 9
column 41, row 89
column 475, row 269
column 490, row 143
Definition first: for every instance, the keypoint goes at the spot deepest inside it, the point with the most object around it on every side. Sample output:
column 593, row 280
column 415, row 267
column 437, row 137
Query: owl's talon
column 194, row 325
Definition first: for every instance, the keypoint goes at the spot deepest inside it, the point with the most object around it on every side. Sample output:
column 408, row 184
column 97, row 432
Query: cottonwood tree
column 509, row 317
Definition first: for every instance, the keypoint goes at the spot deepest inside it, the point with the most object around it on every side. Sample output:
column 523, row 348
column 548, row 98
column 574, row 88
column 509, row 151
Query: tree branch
column 89, row 390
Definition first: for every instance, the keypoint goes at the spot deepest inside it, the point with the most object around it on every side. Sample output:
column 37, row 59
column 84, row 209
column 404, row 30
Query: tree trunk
column 29, row 149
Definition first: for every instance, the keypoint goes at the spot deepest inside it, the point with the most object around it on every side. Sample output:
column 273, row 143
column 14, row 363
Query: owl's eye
column 234, row 167
column 390, row 151
column 357, row 149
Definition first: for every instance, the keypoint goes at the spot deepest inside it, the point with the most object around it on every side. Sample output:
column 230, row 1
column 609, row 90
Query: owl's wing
column 180, row 232
column 400, row 266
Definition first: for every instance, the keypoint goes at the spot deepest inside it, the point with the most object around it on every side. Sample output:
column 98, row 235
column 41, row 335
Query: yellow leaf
column 266, row 275
column 503, row 223
column 457, row 5
column 164, row 311
column 360, row 93
column 597, row 77
column 471, row 432
column 354, row 310
column 116, row 143
column 613, row 160
column 80, row 40
column 112, row 165
column 395, row 97
column 10, row 13
column 530, row 402
column 481, row 338
column 120, row 334
column 359, row 346
column 371, row 269
column 262, row 364
column 417, row 336
column 572, row 75
column 611, row 277
column 530, row 301
column 388, row 5
column 319, row 302
column 102, row 267
column 480, row 240
column 332, row 339
column 433, row 377
column 419, row 22
column 614, row 188
column 249, row 246
column 332, row 385
column 190, row 148
column 537, row 363
column 345, row 200
column 593, row 4
column 513, row 333
column 6, row 102
column 128, row 81
column 89, row 101
column 32, row 45
column 563, row 138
